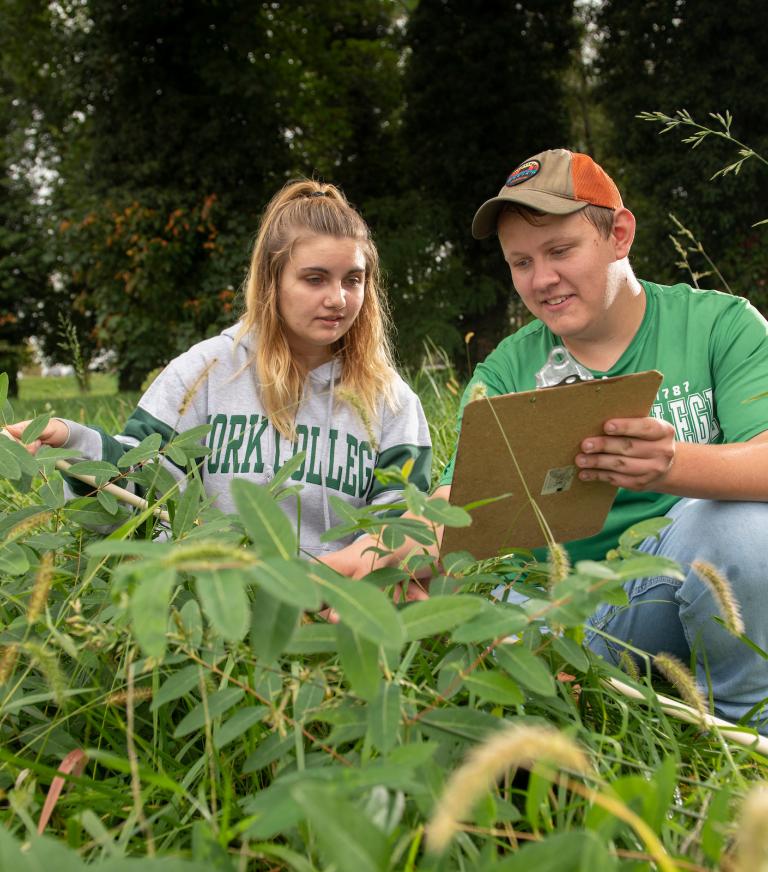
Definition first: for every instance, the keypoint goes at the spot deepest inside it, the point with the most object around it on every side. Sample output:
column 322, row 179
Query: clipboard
column 544, row 428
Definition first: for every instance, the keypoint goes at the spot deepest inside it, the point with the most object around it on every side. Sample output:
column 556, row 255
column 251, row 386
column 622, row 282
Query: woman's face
column 320, row 294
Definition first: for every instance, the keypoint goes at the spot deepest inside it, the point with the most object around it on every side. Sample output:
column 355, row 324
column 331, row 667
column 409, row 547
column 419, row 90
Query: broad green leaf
column 99, row 470
column 3, row 388
column 145, row 450
column 287, row 470
column 87, row 512
column 176, row 685
column 309, row 697
column 493, row 686
column 360, row 661
column 561, row 852
column 13, row 559
column 648, row 565
column 265, row 522
column 442, row 512
column 638, row 532
column 358, row 848
column 384, row 718
column 273, row 810
column 464, row 723
column 438, row 615
column 289, row 580
column 108, row 501
column 24, row 460
column 52, row 492
column 571, row 652
column 9, row 465
column 526, row 668
column 149, row 608
column 217, row 704
column 362, row 607
column 224, row 601
column 272, row 624
column 494, row 620
column 192, row 622
column 319, row 638
column 243, row 719
column 187, row 508
column 35, row 428
column 272, row 748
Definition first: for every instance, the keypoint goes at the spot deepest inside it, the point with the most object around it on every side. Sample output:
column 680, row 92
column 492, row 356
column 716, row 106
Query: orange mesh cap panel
column 592, row 184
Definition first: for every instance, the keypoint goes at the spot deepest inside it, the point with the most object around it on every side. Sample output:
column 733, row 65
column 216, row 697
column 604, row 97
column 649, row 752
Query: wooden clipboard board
column 544, row 428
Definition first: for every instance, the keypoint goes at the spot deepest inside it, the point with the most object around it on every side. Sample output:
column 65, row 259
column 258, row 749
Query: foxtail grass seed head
column 559, row 564
column 484, row 765
column 41, row 588
column 479, row 391
column 120, row 697
column 678, row 674
column 26, row 525
column 752, row 834
column 8, row 658
column 353, row 401
column 47, row 663
column 186, row 400
column 628, row 664
column 723, row 594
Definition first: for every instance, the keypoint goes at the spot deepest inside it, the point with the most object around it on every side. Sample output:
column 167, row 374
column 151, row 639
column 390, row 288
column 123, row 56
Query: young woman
column 308, row 368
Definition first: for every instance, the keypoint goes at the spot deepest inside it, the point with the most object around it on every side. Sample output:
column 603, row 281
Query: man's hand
column 55, row 434
column 634, row 453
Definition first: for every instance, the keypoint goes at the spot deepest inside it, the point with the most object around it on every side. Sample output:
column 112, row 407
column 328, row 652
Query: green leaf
column 493, row 686
column 319, row 638
column 465, row 723
column 149, row 608
column 224, row 601
column 52, row 492
column 3, row 388
column 35, row 428
column 358, row 848
column 637, row 532
column 438, row 615
column 218, row 703
column 192, row 622
column 364, row 608
column 176, row 685
column 442, row 512
column 108, row 501
column 97, row 469
column 9, row 465
column 145, row 450
column 526, row 668
column 384, row 718
column 494, row 620
column 24, row 460
column 287, row 470
column 571, row 652
column 289, row 580
column 272, row 748
column 187, row 508
column 310, row 697
column 88, row 512
column 243, row 719
column 562, row 852
column 265, row 522
column 360, row 661
column 13, row 559
column 273, row 623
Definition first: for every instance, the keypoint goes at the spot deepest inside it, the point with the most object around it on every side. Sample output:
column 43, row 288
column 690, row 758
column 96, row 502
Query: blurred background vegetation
column 139, row 142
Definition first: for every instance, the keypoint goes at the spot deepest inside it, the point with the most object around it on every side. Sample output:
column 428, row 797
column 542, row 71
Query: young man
column 702, row 456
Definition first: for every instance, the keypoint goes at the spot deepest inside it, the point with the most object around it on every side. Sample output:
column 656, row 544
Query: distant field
column 60, row 396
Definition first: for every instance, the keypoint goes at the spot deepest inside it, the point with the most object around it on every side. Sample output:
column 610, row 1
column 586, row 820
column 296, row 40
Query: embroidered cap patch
column 524, row 172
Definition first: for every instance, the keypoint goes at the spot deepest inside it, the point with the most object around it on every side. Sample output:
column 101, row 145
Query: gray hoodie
column 209, row 384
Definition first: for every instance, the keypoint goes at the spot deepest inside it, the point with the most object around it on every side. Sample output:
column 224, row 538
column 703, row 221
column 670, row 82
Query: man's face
column 565, row 272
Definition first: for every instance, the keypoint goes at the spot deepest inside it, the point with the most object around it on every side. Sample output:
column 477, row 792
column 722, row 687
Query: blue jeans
column 677, row 617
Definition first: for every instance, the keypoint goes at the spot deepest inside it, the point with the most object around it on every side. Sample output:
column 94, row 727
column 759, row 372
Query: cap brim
column 487, row 216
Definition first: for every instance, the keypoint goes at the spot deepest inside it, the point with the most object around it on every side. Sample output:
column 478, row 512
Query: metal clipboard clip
column 561, row 369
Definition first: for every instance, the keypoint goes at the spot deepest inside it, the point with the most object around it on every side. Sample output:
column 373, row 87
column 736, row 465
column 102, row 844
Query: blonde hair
column 301, row 209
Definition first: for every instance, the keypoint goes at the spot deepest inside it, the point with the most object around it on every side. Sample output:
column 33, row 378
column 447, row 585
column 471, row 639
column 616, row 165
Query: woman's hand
column 634, row 453
column 55, row 434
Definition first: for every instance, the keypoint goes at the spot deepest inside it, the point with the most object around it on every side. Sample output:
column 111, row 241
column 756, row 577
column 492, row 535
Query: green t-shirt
column 711, row 348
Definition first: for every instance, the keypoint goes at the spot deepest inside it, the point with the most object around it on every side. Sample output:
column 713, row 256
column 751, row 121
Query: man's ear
column 623, row 232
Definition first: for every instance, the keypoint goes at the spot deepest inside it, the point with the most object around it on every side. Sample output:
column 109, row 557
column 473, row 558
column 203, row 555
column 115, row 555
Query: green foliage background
column 140, row 142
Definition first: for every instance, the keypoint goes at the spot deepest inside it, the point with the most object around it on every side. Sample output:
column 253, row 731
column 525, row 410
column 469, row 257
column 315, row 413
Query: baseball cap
column 558, row 182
